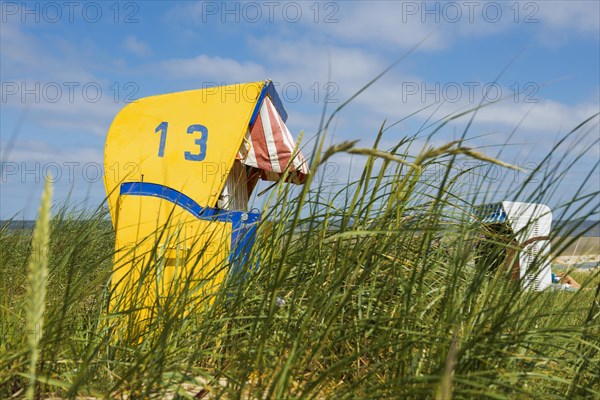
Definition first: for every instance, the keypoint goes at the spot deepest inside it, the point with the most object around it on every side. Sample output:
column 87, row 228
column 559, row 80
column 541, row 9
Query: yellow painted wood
column 132, row 144
column 162, row 251
column 165, row 254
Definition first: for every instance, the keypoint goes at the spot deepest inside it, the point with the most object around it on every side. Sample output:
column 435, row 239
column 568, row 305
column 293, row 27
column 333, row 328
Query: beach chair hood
column 270, row 147
column 188, row 141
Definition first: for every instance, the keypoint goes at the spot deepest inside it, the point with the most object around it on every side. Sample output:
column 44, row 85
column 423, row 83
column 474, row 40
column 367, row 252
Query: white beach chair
column 527, row 227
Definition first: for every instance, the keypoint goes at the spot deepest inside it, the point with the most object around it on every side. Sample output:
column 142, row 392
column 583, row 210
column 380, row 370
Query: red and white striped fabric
column 269, row 146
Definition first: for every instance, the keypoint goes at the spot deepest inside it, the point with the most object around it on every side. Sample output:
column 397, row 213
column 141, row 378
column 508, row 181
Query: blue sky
column 68, row 68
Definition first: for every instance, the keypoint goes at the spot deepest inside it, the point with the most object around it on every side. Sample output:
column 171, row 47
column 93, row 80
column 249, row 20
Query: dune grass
column 367, row 290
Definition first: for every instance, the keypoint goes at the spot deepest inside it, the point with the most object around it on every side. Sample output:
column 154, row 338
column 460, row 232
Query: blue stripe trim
column 243, row 224
column 491, row 213
column 261, row 97
column 176, row 197
column 269, row 89
column 276, row 101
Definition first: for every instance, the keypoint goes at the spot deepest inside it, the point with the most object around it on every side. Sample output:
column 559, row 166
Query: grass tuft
column 368, row 288
column 37, row 284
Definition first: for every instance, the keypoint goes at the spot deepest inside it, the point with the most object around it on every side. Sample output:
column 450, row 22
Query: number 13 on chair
column 188, row 155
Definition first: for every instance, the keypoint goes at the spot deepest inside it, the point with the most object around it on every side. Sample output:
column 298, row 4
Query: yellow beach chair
column 179, row 171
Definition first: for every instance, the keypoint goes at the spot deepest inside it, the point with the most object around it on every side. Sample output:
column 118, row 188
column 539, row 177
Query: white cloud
column 386, row 25
column 136, row 46
column 390, row 99
column 206, row 68
column 76, row 172
column 46, row 152
column 548, row 117
column 350, row 67
column 55, row 105
column 570, row 16
column 25, row 56
column 55, row 83
column 382, row 24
